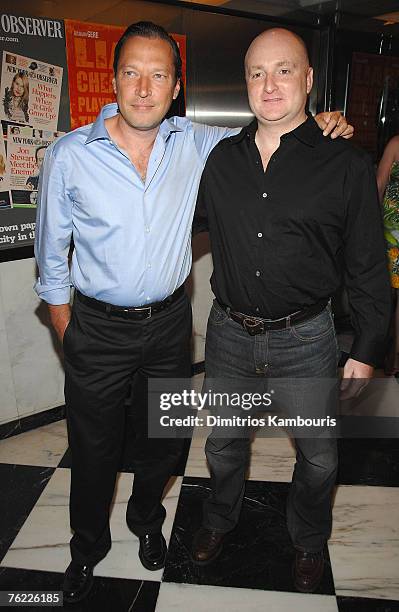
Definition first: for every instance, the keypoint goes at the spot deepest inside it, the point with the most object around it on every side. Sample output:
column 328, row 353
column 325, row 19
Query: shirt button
column 257, row 273
column 257, row 309
column 149, row 265
column 264, row 195
column 148, row 298
column 260, row 235
column 147, row 229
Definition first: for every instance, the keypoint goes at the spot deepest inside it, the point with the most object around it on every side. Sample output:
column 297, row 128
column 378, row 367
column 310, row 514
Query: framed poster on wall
column 34, row 109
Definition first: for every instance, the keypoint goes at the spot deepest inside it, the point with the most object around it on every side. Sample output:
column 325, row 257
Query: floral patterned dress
column 391, row 223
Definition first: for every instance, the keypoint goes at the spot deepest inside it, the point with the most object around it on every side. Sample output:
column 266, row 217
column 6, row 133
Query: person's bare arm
column 391, row 153
column 60, row 316
column 335, row 124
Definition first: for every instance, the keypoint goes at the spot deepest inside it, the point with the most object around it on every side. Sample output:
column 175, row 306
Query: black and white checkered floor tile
column 253, row 572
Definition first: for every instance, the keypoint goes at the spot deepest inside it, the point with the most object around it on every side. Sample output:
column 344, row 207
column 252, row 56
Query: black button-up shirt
column 285, row 239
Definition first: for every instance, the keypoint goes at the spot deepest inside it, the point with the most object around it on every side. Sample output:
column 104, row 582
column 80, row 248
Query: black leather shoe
column 78, row 581
column 207, row 545
column 152, row 551
column 308, row 571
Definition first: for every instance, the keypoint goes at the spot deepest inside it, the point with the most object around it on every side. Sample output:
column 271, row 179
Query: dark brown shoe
column 207, row 545
column 308, row 571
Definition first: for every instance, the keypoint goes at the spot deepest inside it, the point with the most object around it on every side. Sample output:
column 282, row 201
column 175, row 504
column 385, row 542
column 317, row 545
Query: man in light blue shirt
column 132, row 234
column 125, row 189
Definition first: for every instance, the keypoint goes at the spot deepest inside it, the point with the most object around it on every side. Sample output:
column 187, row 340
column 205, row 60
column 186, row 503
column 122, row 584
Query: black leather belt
column 257, row 325
column 132, row 312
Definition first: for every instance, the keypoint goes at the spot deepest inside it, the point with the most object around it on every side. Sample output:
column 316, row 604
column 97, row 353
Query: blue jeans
column 299, row 355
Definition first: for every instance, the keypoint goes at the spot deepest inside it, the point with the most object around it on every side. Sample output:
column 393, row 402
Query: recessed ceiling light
column 388, row 18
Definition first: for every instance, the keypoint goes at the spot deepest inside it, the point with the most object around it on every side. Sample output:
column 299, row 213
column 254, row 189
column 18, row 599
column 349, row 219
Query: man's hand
column 60, row 317
column 335, row 124
column 355, row 378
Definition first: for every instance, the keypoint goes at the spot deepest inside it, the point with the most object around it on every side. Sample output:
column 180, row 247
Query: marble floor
column 253, row 572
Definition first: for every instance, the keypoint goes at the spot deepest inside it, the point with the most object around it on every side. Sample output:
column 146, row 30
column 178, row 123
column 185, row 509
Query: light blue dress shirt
column 132, row 239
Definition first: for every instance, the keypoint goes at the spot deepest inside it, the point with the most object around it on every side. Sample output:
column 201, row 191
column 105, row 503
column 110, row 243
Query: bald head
column 278, row 77
column 282, row 38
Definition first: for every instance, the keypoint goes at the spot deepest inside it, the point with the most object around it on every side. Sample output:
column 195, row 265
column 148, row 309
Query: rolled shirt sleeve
column 366, row 270
column 53, row 232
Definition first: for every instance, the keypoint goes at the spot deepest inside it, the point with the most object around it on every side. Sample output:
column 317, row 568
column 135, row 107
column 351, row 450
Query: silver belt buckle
column 141, row 309
column 253, row 326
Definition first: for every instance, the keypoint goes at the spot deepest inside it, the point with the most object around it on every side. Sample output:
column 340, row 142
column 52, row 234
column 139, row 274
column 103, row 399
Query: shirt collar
column 308, row 132
column 98, row 130
column 167, row 127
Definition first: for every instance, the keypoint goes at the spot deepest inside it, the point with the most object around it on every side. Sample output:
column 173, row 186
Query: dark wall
column 216, row 44
column 216, row 48
column 372, row 106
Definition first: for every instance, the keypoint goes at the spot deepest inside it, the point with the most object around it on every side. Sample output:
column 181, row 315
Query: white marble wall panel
column 8, row 404
column 202, row 295
column 34, row 356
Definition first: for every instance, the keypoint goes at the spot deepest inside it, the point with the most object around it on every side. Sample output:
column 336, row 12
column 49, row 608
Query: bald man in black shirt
column 290, row 214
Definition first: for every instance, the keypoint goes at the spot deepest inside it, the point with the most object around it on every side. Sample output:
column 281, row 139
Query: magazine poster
column 4, row 176
column 26, row 150
column 33, row 99
column 30, row 91
column 5, row 201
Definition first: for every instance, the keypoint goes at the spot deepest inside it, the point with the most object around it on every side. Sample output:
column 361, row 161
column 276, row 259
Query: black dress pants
column 102, row 354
